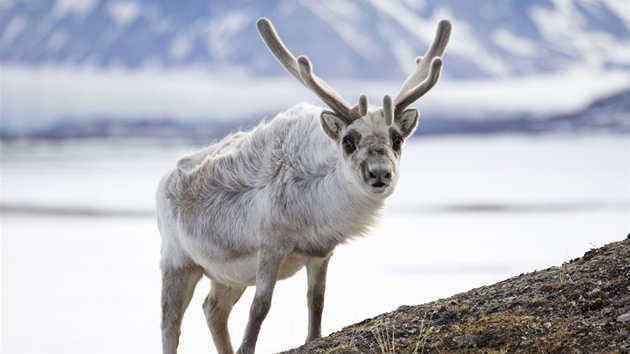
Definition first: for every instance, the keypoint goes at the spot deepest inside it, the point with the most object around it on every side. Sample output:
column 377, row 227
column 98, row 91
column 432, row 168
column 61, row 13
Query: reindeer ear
column 332, row 124
column 407, row 121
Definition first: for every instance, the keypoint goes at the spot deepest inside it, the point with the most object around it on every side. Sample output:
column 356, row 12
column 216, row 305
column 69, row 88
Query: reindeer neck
column 339, row 207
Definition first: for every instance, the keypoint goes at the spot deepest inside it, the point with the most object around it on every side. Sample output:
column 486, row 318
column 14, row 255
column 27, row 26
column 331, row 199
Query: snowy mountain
column 119, row 67
column 608, row 115
column 375, row 39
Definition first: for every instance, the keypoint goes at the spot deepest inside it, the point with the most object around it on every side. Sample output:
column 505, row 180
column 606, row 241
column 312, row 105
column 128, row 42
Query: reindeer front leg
column 316, row 269
column 270, row 258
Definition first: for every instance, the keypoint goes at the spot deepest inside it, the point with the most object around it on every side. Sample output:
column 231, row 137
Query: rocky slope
column 582, row 306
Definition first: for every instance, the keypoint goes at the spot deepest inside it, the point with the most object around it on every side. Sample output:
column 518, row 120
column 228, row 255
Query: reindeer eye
column 348, row 145
column 396, row 142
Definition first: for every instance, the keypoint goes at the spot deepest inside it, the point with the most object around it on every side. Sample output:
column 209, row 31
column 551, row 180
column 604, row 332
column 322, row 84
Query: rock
column 593, row 292
column 466, row 340
column 624, row 318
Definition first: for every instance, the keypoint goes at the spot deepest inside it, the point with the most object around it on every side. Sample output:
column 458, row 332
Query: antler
column 427, row 72
column 301, row 69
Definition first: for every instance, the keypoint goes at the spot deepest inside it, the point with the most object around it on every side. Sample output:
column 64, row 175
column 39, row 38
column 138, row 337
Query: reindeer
column 258, row 206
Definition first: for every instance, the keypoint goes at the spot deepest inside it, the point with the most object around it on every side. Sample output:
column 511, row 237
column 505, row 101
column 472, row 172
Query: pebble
column 624, row 318
column 593, row 292
column 465, row 340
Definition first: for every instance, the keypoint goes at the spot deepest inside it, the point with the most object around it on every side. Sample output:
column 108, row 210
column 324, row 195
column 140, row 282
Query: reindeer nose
column 378, row 174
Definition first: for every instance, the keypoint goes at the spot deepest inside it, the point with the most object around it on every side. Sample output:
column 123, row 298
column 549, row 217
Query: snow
column 512, row 43
column 181, row 47
column 341, row 16
column 463, row 42
column 65, row 92
column 57, row 39
column 219, row 33
column 124, row 12
column 420, row 28
column 79, row 8
column 423, row 28
column 467, row 212
column 15, row 28
column 209, row 64
column 563, row 33
column 39, row 97
column 565, row 26
column 540, row 95
column 620, row 7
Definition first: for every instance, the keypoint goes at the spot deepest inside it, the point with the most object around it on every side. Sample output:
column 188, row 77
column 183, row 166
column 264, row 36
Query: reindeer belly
column 291, row 265
column 242, row 271
column 234, row 272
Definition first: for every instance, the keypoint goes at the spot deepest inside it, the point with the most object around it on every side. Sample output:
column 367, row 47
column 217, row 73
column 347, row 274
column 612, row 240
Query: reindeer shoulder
column 296, row 130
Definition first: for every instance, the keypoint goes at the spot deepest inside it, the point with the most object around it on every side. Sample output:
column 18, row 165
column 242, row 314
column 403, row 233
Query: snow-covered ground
column 80, row 246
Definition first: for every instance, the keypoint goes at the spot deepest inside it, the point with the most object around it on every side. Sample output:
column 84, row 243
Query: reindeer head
column 370, row 139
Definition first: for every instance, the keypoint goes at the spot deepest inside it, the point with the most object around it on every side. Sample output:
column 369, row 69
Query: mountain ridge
column 71, row 65
column 604, row 115
column 369, row 39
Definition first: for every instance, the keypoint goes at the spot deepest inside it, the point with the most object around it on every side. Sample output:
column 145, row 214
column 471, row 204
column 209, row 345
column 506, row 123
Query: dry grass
column 567, row 309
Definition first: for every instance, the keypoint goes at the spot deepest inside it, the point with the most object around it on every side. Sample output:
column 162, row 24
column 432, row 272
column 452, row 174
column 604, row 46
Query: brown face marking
column 376, row 145
column 397, row 140
column 351, row 141
column 354, row 135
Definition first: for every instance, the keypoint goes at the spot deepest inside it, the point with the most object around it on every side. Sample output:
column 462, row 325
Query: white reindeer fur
column 286, row 177
column 258, row 206
column 284, row 186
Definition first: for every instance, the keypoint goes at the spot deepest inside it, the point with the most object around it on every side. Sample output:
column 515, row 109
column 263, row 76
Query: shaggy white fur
column 258, row 206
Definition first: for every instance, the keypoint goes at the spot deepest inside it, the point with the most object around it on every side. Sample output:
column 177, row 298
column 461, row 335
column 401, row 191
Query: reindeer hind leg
column 217, row 307
column 178, row 286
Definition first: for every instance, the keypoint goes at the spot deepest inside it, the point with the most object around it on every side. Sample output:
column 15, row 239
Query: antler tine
column 362, row 106
column 321, row 89
column 427, row 72
column 277, row 48
column 301, row 69
column 388, row 110
column 404, row 99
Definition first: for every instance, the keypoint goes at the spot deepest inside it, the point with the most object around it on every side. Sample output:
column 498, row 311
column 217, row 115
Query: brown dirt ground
column 573, row 308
